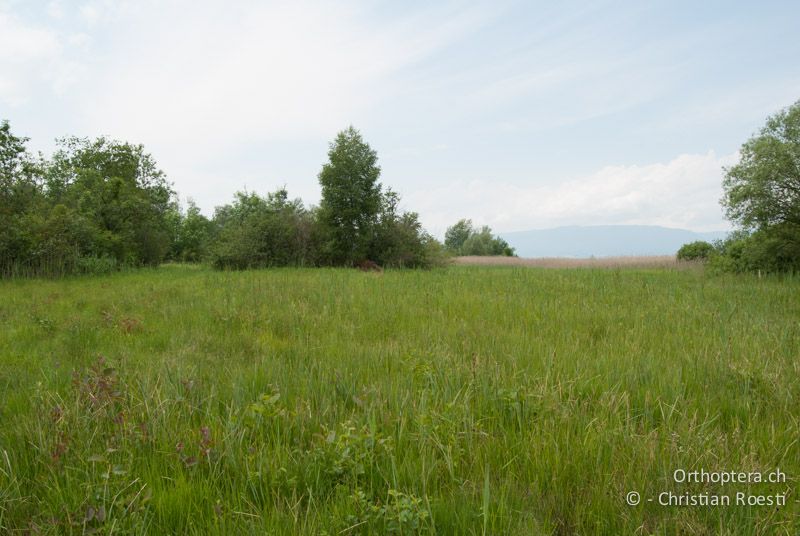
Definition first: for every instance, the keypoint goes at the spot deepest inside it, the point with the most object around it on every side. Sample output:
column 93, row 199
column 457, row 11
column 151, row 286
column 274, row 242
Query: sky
column 516, row 114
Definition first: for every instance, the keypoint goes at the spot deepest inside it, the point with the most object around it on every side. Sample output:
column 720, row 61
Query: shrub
column 259, row 231
column 97, row 265
column 463, row 239
column 695, row 251
column 399, row 240
column 771, row 250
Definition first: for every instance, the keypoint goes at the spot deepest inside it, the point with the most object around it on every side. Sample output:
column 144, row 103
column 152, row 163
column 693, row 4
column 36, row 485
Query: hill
column 604, row 240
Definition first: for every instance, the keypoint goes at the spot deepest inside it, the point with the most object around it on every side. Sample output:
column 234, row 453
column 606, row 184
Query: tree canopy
column 94, row 203
column 357, row 219
column 101, row 204
column 351, row 197
column 464, row 239
column 762, row 196
column 763, row 188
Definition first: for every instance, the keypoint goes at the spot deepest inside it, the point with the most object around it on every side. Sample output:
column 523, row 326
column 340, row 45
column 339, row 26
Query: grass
column 465, row 400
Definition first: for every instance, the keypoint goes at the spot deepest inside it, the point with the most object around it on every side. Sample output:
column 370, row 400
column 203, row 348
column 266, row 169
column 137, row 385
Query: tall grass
column 466, row 400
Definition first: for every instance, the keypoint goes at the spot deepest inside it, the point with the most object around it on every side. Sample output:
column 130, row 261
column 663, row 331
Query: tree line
column 100, row 205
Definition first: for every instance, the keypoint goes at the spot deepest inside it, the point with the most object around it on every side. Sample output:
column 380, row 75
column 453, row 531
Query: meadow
column 461, row 400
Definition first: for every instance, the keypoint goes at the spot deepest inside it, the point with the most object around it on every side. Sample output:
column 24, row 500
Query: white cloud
column 208, row 76
column 38, row 61
column 55, row 9
column 683, row 193
column 27, row 52
column 228, row 94
column 90, row 14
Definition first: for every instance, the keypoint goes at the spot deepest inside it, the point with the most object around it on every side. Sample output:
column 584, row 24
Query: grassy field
column 465, row 400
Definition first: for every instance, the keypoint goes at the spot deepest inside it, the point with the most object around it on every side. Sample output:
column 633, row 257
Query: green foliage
column 699, row 250
column 96, row 265
column 93, row 200
column 463, row 239
column 192, row 234
column 398, row 239
column 99, row 205
column 21, row 200
column 15, row 161
column 457, row 235
column 762, row 194
column 772, row 249
column 398, row 513
column 357, row 220
column 351, row 198
column 763, row 189
column 259, row 231
column 347, row 455
column 118, row 187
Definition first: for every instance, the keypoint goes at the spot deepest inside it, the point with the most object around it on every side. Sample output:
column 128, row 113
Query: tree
column 698, row 250
column 763, row 189
column 399, row 240
column 456, row 235
column 13, row 154
column 351, row 198
column 192, row 236
column 22, row 201
column 762, row 195
column 463, row 239
column 118, row 187
column 257, row 231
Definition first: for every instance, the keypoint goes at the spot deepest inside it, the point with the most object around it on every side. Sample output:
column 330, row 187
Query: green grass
column 466, row 400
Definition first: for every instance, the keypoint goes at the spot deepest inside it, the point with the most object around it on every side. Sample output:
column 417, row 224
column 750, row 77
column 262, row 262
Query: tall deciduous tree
column 762, row 195
column 763, row 189
column 351, row 197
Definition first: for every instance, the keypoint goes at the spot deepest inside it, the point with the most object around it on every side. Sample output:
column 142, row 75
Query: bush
column 192, row 234
column 399, row 240
column 771, row 250
column 97, row 265
column 92, row 200
column 463, row 239
column 257, row 232
column 695, row 251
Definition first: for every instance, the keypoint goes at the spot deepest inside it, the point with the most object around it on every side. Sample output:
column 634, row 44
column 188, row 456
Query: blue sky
column 518, row 115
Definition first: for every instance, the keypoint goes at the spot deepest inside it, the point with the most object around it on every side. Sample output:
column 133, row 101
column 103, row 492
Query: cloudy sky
column 519, row 115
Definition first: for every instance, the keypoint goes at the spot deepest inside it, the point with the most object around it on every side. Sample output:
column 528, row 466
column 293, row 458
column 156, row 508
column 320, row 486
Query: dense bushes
column 695, row 251
column 192, row 235
column 463, row 239
column 100, row 205
column 93, row 206
column 357, row 220
column 768, row 250
column 771, row 250
column 398, row 239
column 257, row 231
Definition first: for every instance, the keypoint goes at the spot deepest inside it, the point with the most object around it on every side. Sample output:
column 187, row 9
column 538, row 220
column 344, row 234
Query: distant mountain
column 604, row 240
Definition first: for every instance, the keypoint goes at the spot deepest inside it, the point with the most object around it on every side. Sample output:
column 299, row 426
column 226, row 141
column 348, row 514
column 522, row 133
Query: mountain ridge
column 580, row 241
